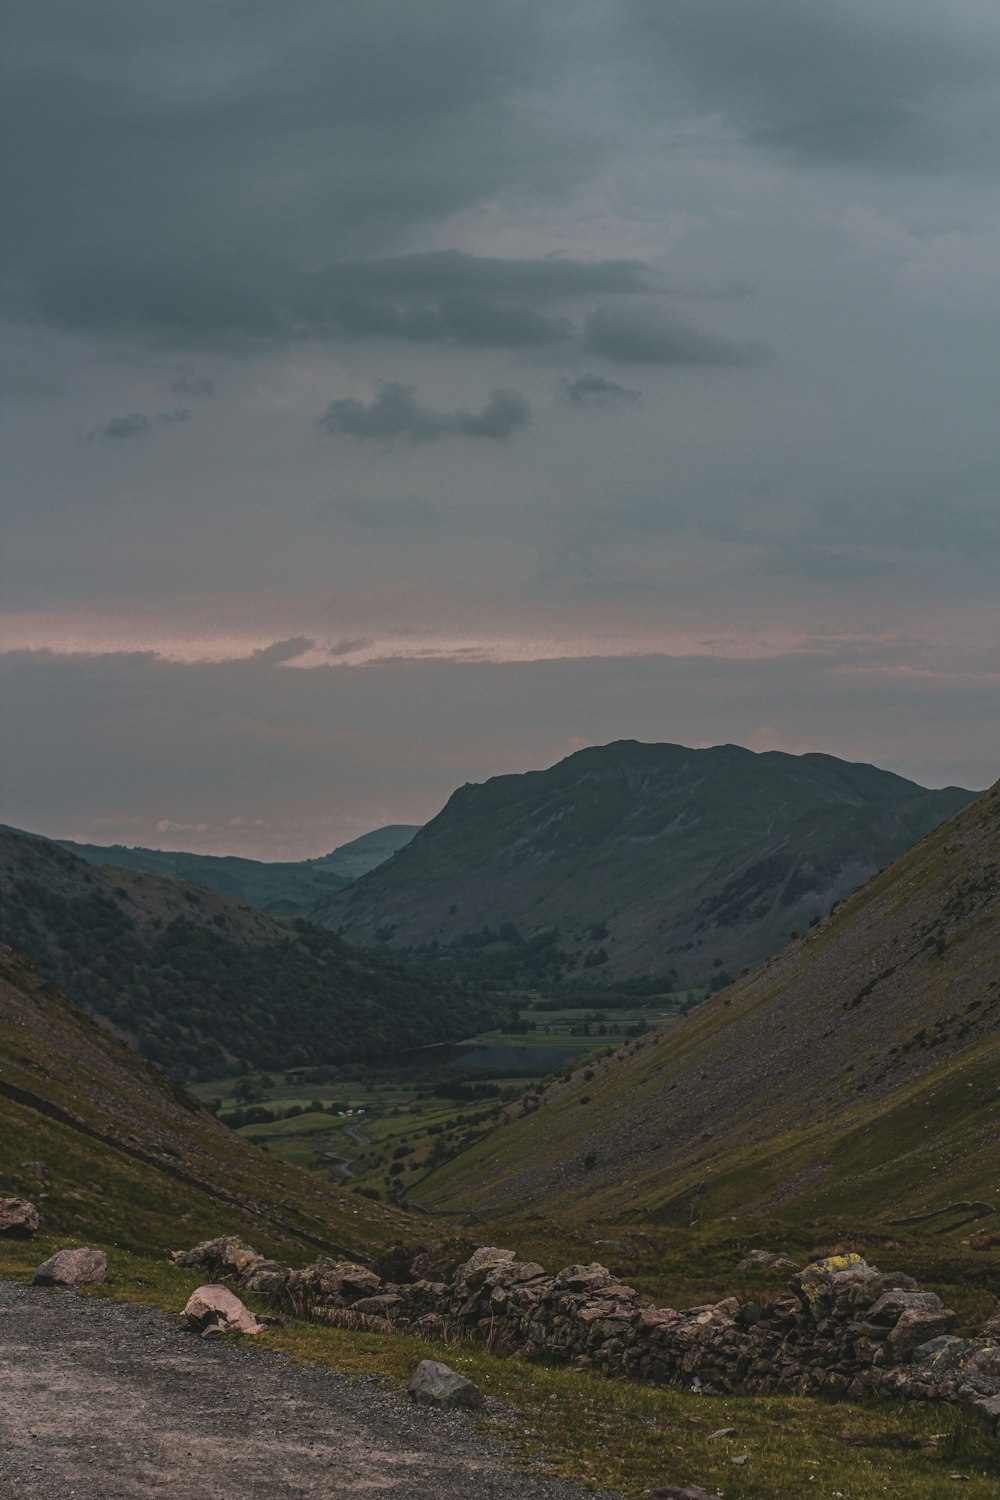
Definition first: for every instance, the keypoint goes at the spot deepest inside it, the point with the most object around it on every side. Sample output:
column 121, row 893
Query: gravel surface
column 104, row 1401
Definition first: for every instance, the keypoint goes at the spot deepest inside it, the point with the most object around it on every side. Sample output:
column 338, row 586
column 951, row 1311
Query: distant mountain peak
column 695, row 860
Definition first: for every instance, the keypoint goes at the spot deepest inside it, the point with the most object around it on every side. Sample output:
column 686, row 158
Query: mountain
column 857, row 1071
column 199, row 982
column 108, row 1146
column 283, row 889
column 351, row 861
column 641, row 859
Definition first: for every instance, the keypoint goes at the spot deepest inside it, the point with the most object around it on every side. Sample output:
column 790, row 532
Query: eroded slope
column 858, row 1068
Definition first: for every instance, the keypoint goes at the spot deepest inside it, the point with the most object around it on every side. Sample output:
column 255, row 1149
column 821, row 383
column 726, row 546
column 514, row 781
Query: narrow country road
column 103, row 1401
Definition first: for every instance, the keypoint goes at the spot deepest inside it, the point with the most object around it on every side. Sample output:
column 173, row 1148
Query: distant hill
column 638, row 860
column 288, row 889
column 857, row 1072
column 199, row 982
column 108, row 1146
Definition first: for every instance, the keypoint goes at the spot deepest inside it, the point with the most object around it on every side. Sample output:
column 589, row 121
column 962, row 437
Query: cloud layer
column 402, row 394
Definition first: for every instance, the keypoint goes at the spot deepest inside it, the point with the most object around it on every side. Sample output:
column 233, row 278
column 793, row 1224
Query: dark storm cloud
column 178, row 172
column 898, row 84
column 133, row 424
column 461, row 320
column 597, row 390
column 444, row 297
column 395, row 413
column 137, row 424
column 655, row 339
column 431, row 274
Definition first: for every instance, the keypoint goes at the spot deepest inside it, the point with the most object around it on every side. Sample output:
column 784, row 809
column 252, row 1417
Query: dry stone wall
column 844, row 1326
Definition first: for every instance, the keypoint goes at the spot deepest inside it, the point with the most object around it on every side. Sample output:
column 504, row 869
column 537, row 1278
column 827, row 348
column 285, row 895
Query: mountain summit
column 645, row 858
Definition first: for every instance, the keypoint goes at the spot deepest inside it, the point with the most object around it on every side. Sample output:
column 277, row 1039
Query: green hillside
column 635, row 861
column 202, row 984
column 859, row 1070
column 289, row 888
column 110, row 1148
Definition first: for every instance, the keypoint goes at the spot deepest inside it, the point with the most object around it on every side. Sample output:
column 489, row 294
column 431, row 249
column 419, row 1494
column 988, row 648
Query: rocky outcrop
column 18, row 1217
column 844, row 1326
column 72, row 1268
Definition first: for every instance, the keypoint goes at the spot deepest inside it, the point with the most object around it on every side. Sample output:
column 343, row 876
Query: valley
column 415, row 1106
column 839, row 1099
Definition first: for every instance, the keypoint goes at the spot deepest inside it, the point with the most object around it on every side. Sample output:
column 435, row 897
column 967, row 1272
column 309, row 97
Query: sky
column 400, row 395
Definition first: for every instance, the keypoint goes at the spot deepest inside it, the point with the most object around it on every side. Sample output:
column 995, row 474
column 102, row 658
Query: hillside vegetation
column 110, row 1147
column 202, row 984
column 859, row 1070
column 290, row 888
column 636, row 861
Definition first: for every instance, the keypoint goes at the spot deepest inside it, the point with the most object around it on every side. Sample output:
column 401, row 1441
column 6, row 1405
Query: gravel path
column 104, row 1401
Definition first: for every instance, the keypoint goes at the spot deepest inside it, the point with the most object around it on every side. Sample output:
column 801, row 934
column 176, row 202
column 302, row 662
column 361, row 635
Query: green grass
column 621, row 1434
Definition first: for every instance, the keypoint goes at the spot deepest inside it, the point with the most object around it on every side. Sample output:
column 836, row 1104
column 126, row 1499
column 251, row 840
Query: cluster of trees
column 202, row 1000
column 500, row 959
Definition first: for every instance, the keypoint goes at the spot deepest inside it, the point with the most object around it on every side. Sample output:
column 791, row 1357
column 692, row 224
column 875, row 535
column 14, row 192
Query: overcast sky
column 397, row 395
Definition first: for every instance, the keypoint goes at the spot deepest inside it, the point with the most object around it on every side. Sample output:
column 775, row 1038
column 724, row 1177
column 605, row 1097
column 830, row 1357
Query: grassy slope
column 857, row 1069
column 133, row 1157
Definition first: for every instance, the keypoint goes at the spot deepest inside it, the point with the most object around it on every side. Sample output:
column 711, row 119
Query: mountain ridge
column 279, row 888
column 645, row 858
column 861, row 1066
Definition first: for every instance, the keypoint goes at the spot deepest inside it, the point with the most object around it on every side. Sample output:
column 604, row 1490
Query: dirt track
column 103, row 1401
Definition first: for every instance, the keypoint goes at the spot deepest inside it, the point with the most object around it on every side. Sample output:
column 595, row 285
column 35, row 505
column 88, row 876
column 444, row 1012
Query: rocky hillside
column 857, row 1071
column 107, row 1145
column 643, row 859
column 287, row 889
column 200, row 983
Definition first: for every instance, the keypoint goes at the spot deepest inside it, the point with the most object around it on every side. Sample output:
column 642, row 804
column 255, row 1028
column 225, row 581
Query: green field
column 402, row 1120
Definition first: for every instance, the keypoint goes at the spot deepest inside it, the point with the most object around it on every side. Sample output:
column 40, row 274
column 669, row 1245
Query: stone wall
column 843, row 1326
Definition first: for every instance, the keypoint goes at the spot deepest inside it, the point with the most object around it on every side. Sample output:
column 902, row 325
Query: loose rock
column 213, row 1310
column 72, row 1268
column 767, row 1260
column 18, row 1217
column 435, row 1384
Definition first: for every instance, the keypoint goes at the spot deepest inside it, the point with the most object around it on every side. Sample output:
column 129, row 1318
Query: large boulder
column 435, row 1384
column 72, row 1268
column 18, row 1217
column 215, row 1310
